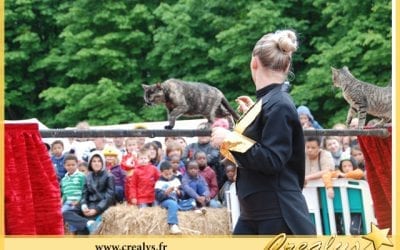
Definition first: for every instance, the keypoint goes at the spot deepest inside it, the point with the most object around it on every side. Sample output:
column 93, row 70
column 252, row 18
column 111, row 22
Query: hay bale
column 124, row 219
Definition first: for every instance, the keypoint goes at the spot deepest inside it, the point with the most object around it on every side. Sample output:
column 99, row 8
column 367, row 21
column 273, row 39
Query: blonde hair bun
column 287, row 41
column 275, row 49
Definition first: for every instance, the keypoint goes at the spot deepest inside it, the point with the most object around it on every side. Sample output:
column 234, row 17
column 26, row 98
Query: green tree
column 211, row 41
column 89, row 102
column 86, row 60
column 30, row 32
column 105, row 45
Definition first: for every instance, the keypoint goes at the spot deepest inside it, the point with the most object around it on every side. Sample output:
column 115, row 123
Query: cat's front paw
column 169, row 127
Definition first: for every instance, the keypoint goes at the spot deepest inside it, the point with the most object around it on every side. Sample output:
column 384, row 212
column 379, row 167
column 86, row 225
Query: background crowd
column 97, row 173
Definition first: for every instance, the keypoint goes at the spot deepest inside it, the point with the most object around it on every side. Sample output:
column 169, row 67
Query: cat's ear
column 158, row 86
column 346, row 68
column 144, row 86
column 333, row 70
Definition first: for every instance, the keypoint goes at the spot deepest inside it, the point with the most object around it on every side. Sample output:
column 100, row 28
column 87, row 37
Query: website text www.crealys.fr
column 138, row 246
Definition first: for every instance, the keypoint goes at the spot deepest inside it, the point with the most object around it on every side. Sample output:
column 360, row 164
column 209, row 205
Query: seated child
column 112, row 164
column 57, row 158
column 230, row 172
column 175, row 161
column 210, row 176
column 174, row 148
column 195, row 186
column 140, row 187
column 83, row 167
column 71, row 185
column 168, row 190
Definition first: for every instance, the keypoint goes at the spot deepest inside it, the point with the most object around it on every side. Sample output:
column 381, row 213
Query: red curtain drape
column 378, row 163
column 32, row 194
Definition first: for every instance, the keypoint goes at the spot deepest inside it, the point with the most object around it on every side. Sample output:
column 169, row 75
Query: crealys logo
column 372, row 241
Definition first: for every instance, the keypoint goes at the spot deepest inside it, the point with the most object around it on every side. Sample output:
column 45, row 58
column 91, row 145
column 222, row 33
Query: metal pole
column 75, row 133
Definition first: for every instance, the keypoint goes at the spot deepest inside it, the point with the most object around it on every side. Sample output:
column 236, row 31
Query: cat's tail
column 228, row 107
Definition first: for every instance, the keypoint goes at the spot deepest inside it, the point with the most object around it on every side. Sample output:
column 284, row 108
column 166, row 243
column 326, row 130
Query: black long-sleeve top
column 275, row 164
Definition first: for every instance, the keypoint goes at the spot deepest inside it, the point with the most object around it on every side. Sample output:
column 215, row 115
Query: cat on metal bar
column 363, row 98
column 189, row 99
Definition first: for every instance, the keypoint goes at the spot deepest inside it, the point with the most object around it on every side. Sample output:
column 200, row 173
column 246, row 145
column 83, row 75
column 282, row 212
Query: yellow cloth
column 236, row 141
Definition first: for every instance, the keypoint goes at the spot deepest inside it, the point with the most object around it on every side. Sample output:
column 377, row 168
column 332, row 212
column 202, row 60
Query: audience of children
column 182, row 180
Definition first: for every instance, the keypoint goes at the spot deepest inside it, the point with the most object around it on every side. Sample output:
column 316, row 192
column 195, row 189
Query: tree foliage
column 68, row 61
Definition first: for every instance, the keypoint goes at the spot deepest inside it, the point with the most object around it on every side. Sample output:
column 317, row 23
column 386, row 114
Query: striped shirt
column 163, row 184
column 72, row 186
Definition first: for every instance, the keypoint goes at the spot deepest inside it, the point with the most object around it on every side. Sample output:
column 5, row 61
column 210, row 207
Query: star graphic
column 378, row 237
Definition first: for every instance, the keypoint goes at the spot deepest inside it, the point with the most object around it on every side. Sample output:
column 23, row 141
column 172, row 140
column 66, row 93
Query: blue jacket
column 59, row 166
column 194, row 186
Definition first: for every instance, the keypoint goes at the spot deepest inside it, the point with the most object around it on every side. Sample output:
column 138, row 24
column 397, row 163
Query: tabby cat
column 363, row 97
column 189, row 99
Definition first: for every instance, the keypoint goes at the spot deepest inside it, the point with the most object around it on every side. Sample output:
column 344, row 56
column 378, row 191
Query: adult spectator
column 318, row 160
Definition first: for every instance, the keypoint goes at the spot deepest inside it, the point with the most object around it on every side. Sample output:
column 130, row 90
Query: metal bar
column 382, row 132
column 66, row 133
column 75, row 133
